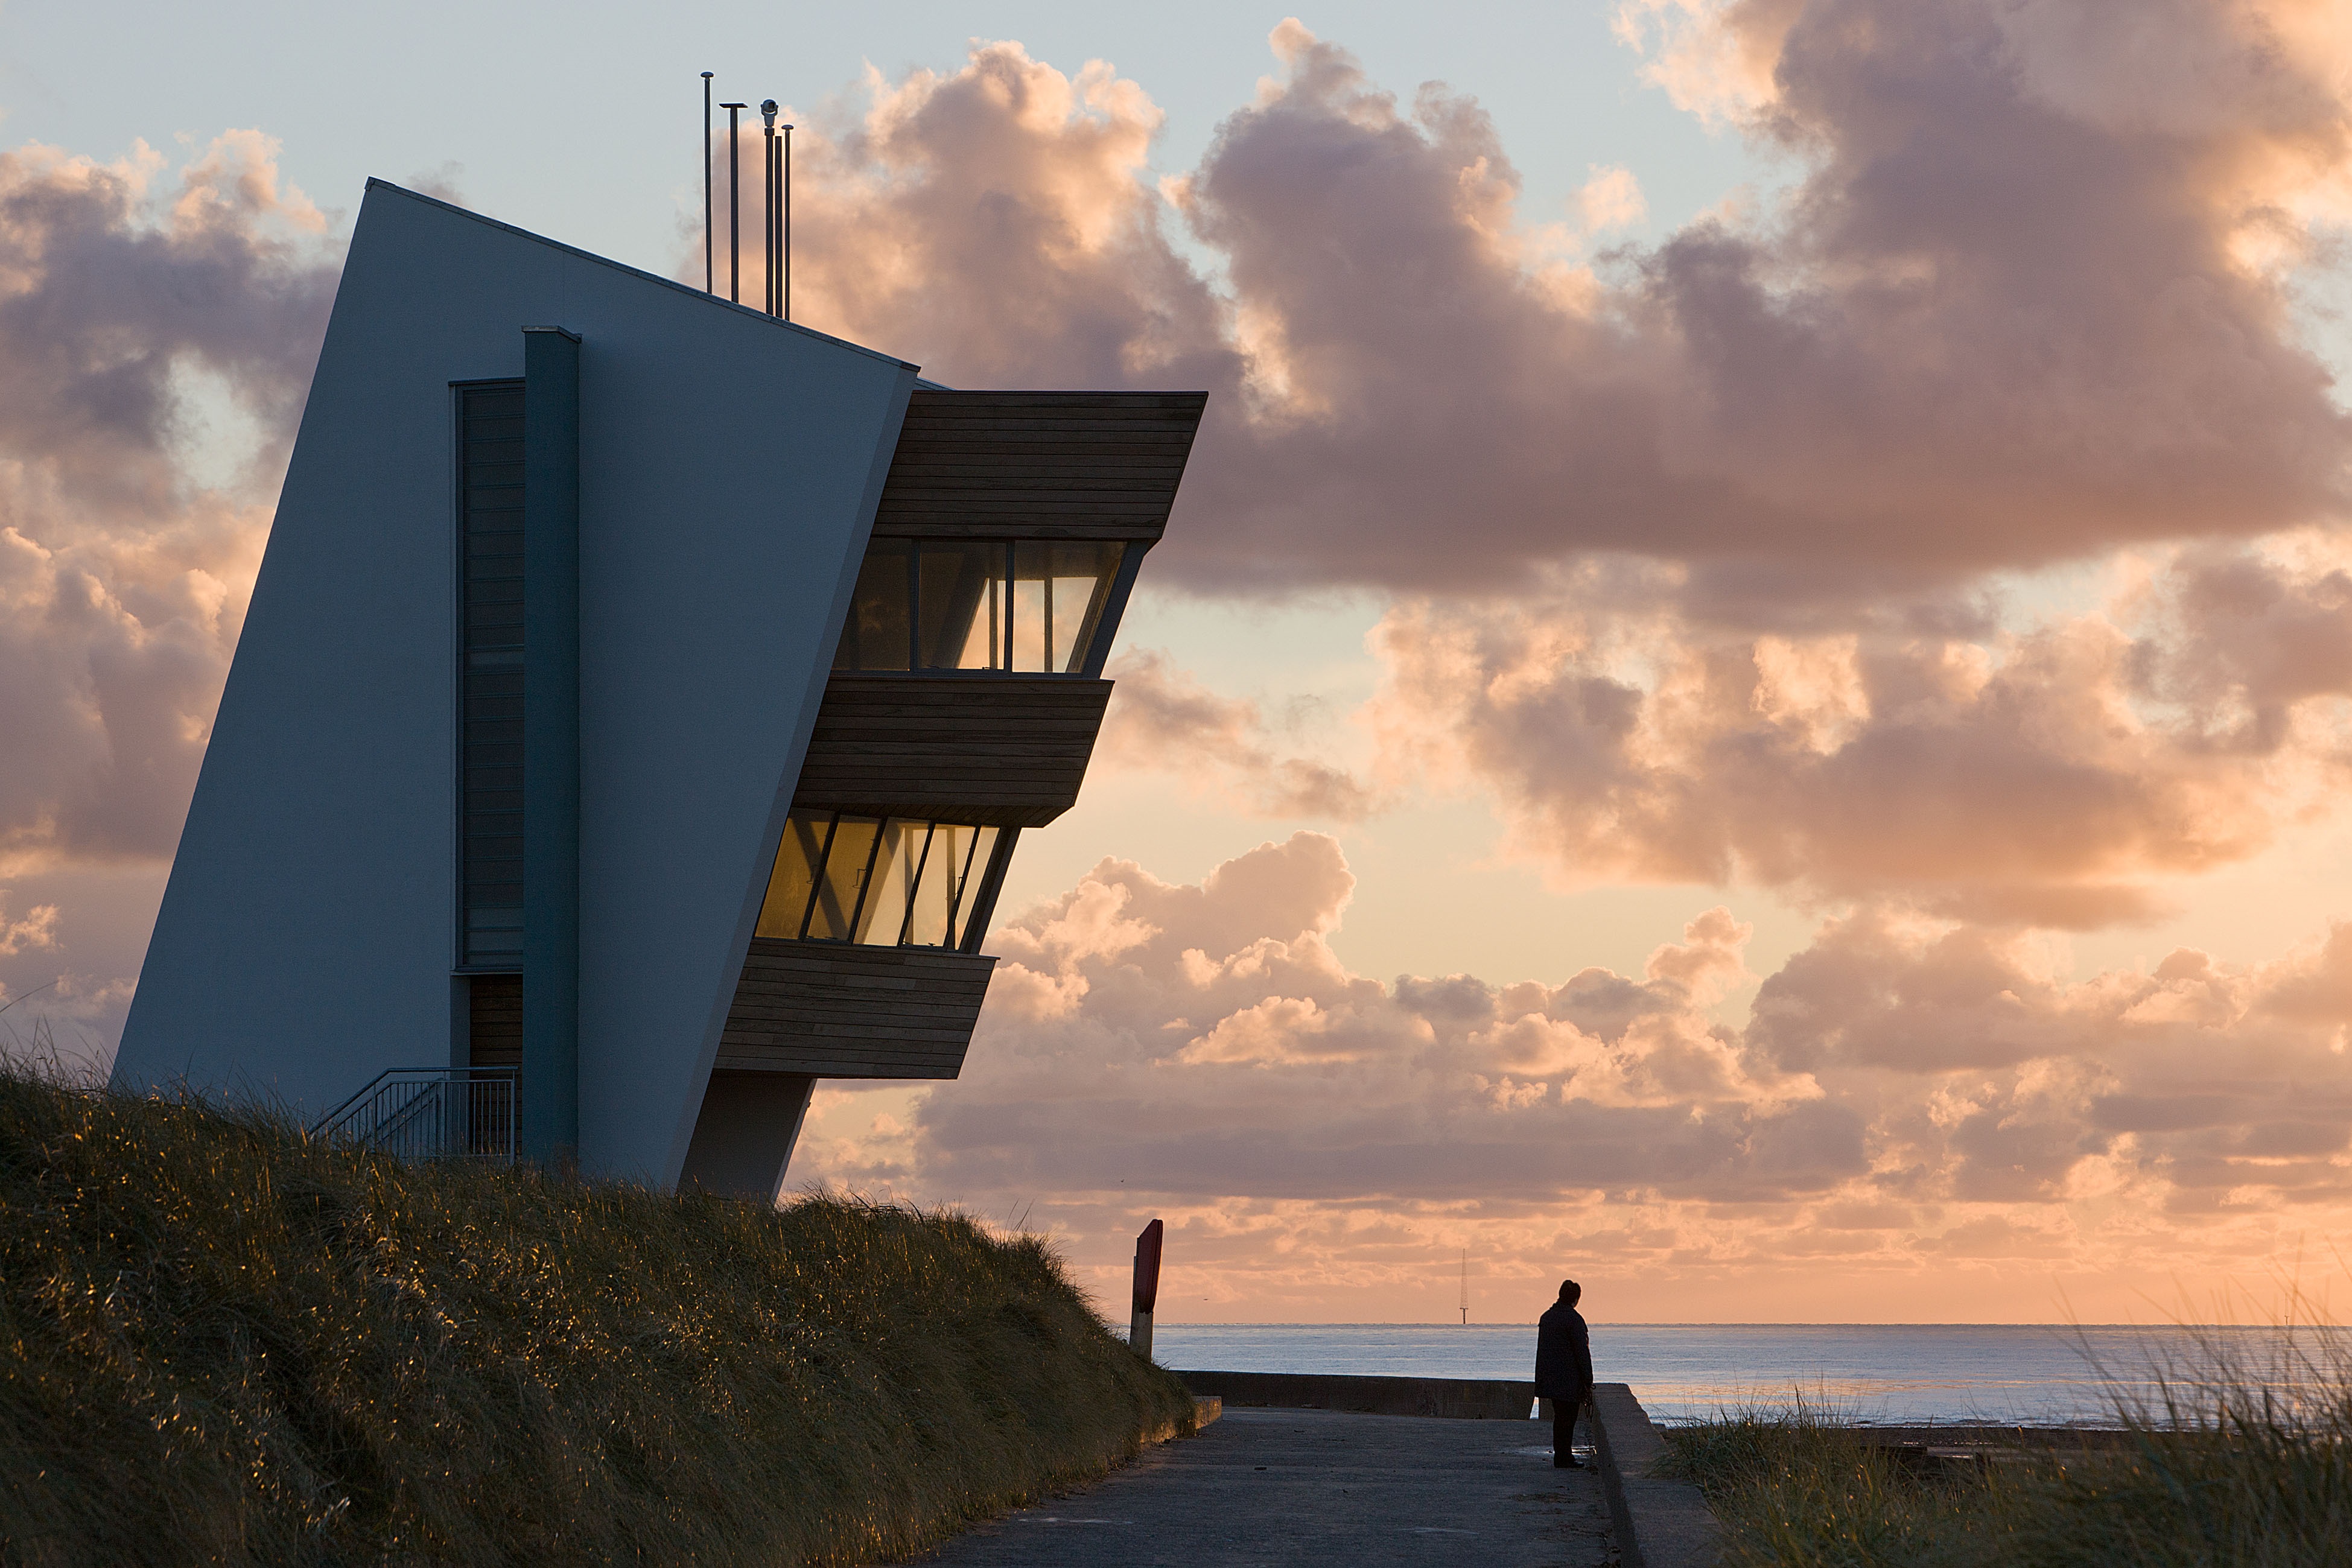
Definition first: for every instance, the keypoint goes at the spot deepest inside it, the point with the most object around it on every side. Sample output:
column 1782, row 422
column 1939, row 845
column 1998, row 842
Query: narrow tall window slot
column 490, row 764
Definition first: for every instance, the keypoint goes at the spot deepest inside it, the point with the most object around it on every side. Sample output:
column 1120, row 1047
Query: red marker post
column 1147, row 1289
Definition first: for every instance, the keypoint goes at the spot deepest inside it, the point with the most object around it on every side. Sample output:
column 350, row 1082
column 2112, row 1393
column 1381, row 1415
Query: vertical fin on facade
column 551, row 765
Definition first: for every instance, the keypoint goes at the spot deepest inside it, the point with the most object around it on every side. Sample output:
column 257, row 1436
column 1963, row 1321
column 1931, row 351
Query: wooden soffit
column 840, row 1011
column 1038, row 465
column 1007, row 751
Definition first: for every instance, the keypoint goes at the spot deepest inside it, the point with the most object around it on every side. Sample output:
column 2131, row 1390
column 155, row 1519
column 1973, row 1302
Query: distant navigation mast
column 1465, row 1287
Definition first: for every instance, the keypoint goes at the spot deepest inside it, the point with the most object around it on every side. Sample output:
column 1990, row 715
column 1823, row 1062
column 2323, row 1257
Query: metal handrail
column 418, row 1112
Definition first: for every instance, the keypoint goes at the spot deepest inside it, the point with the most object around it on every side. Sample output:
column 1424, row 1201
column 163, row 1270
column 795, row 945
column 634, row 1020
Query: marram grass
column 2237, row 1461
column 221, row 1343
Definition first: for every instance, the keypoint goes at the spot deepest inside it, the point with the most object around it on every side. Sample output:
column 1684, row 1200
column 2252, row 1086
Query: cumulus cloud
column 2067, row 771
column 1708, row 554
column 1717, row 60
column 37, row 928
column 1210, row 1016
column 1162, row 718
column 1612, row 199
column 1911, row 1095
column 2020, row 305
column 137, row 312
column 2203, row 1086
column 995, row 224
column 1714, row 561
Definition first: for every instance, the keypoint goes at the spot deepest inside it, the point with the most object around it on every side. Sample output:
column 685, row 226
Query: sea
column 1889, row 1375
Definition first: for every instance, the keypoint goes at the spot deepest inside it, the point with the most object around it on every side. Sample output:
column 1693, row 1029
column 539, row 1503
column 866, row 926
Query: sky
column 1746, row 698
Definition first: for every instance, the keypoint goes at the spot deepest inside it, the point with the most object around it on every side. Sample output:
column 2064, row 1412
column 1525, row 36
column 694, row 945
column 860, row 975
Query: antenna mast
column 707, row 246
column 787, row 220
column 771, row 200
column 734, row 207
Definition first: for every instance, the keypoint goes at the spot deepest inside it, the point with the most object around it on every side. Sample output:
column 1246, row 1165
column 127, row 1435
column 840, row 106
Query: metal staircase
column 427, row 1113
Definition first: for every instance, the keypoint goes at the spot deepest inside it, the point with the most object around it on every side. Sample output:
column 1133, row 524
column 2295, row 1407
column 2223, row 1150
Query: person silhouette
column 1564, row 1369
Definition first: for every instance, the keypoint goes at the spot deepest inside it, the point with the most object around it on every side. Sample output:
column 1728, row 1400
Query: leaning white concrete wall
column 730, row 470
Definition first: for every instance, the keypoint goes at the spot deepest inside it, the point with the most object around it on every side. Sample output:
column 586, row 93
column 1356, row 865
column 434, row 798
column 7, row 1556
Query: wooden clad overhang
column 839, row 1010
column 1008, row 751
column 995, row 749
column 1038, row 465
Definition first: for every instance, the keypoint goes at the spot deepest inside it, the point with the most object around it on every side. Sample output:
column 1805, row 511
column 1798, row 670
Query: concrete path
column 1318, row 1486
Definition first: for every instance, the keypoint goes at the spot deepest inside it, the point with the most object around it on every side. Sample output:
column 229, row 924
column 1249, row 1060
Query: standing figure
column 1564, row 1369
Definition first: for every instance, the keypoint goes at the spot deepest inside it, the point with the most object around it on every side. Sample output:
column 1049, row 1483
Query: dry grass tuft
column 2240, row 1457
column 221, row 1343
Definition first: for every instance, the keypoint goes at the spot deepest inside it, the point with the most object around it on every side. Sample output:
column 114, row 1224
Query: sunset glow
column 1782, row 755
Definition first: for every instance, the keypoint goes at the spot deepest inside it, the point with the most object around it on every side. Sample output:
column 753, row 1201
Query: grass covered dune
column 220, row 1341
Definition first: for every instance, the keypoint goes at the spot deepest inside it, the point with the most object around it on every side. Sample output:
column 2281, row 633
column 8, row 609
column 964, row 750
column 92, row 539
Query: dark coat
column 1563, row 1354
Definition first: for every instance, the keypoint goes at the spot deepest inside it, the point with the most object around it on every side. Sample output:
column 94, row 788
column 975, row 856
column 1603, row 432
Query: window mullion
column 955, row 897
column 866, row 883
column 816, row 876
column 913, row 606
column 915, row 884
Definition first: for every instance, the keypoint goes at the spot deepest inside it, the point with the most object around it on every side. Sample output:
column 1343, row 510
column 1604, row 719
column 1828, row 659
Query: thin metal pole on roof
column 768, row 203
column 734, row 205
column 705, row 183
column 788, row 221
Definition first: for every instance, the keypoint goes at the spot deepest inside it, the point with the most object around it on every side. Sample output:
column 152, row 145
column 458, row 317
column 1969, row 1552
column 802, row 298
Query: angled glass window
column 878, row 633
column 794, row 878
column 1058, row 592
column 961, row 588
column 944, row 883
column 1023, row 607
column 841, row 882
column 882, row 918
column 881, row 882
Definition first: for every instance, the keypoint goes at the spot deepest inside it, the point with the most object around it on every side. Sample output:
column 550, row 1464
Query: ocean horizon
column 1886, row 1374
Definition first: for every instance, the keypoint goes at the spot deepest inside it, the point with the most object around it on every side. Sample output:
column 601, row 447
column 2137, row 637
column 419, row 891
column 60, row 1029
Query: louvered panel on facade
column 489, row 421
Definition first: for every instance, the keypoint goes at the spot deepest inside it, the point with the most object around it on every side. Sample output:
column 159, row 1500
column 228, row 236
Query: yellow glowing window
column 885, row 882
column 794, row 878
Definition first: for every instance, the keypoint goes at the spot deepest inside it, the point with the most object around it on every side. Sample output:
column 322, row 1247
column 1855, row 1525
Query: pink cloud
column 1706, row 559
column 123, row 579
column 1909, row 1091
column 2068, row 771
column 2010, row 314
column 1162, row 718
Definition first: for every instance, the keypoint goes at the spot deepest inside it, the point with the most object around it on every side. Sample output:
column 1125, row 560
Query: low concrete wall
column 1477, row 1398
column 1204, row 1412
column 1660, row 1523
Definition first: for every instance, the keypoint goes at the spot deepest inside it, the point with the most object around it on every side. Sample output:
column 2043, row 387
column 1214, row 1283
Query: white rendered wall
column 730, row 469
